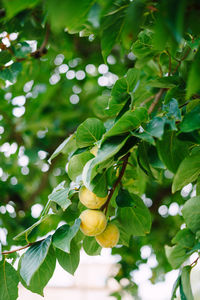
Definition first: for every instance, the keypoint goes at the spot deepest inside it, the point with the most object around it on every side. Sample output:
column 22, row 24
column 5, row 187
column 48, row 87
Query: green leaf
column 24, row 235
column 33, row 258
column 165, row 82
column 175, row 287
column 22, row 49
column 69, row 261
column 1, row 256
column 98, row 185
column 67, row 146
column 89, row 132
column 185, row 238
column 129, row 121
column 10, row 73
column 124, row 199
column 191, row 120
column 110, row 36
column 194, row 76
column 198, row 187
column 61, row 198
column 132, row 78
column 145, row 136
column 90, row 246
column 63, row 236
column 104, row 159
column 9, row 282
column 191, row 212
column 41, row 277
column 185, row 281
column 176, row 255
column 69, row 15
column 77, row 163
column 5, row 57
column 188, row 171
column 171, row 150
column 156, row 126
column 137, row 219
column 13, row 7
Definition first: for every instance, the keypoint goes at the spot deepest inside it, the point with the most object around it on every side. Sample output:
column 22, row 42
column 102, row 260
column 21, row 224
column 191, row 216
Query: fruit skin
column 94, row 150
column 109, row 237
column 93, row 222
column 89, row 199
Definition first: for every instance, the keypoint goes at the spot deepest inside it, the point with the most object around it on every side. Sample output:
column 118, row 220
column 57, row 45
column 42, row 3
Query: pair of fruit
column 93, row 221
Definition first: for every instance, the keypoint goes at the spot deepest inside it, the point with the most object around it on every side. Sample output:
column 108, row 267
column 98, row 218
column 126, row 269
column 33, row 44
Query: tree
column 141, row 111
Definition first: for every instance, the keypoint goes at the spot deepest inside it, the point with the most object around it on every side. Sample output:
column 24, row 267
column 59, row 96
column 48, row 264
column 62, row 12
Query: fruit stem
column 112, row 190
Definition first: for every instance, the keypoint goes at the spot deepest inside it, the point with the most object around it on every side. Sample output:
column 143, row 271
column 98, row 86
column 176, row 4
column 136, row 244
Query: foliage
column 131, row 72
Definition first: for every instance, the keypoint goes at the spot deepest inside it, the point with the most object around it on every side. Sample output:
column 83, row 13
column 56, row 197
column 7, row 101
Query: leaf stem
column 125, row 162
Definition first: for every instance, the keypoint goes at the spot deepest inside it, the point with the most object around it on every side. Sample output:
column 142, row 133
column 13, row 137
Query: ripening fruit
column 93, row 222
column 94, row 150
column 109, row 237
column 89, row 199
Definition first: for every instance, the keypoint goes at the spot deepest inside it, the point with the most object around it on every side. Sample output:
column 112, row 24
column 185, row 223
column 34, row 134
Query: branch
column 125, row 162
column 180, row 61
column 193, row 264
column 19, row 249
column 156, row 100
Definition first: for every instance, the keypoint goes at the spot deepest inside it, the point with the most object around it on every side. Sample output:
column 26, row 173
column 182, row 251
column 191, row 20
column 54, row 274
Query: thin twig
column 180, row 61
column 193, row 264
column 156, row 100
column 18, row 249
column 125, row 162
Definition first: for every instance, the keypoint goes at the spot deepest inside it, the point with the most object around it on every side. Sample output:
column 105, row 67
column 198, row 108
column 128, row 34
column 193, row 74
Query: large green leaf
column 61, row 198
column 69, row 261
column 121, row 90
column 176, row 255
column 185, row 281
column 135, row 219
column 90, row 246
column 77, row 163
column 67, row 146
column 184, row 237
column 9, row 281
column 13, row 7
column 172, row 150
column 69, row 15
column 194, row 76
column 191, row 120
column 33, row 258
column 109, row 36
column 129, row 121
column 41, row 277
column 188, row 171
column 89, row 132
column 191, row 213
column 104, row 159
column 63, row 236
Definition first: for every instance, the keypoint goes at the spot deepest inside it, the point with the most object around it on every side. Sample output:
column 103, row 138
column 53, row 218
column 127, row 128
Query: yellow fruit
column 93, row 222
column 89, row 199
column 94, row 150
column 109, row 237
